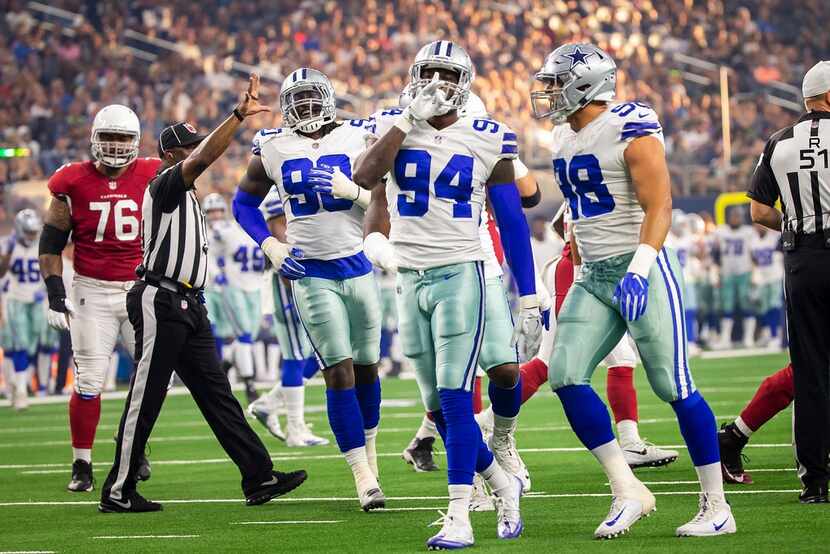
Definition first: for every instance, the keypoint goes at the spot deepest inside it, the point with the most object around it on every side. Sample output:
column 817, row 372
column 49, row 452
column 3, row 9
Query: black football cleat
column 814, row 494
column 134, row 503
column 732, row 442
column 81, row 477
column 279, row 484
column 419, row 454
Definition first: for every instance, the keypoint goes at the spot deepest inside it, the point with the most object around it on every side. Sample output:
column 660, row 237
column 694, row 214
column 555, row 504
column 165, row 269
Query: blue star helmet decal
column 578, row 57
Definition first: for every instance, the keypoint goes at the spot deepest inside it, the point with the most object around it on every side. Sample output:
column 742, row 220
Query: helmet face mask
column 573, row 76
column 455, row 73
column 116, row 134
column 307, row 100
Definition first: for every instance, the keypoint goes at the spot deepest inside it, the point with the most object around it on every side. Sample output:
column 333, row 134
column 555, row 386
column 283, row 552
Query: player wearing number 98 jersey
column 99, row 202
column 609, row 161
column 334, row 289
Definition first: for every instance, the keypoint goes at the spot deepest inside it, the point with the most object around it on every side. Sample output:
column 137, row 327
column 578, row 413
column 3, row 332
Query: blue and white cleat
column 625, row 511
column 713, row 518
column 267, row 417
column 509, row 524
column 454, row 535
column 301, row 435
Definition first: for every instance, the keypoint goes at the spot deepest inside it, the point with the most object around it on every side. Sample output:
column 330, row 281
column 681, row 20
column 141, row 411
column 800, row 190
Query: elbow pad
column 52, row 240
column 532, row 200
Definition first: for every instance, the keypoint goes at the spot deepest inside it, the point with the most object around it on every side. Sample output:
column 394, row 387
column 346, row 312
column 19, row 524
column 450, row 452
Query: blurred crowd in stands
column 56, row 71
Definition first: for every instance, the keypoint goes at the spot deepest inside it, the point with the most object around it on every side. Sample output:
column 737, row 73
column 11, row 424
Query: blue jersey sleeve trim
column 634, row 129
column 338, row 269
column 509, row 149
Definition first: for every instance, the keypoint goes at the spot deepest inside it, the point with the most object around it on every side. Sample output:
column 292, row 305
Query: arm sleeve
column 168, row 187
column 763, row 186
column 515, row 235
column 246, row 211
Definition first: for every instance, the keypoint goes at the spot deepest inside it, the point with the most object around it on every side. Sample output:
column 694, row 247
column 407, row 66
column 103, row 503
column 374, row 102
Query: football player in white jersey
column 441, row 168
column 334, row 288
column 767, row 277
column 216, row 212
column 609, row 162
column 734, row 241
column 26, row 312
column 680, row 238
column 297, row 359
column 243, row 264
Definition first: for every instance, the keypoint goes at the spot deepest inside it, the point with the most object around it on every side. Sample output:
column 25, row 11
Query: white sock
column 619, row 475
column 84, row 454
column 294, row 398
column 427, row 429
column 364, row 478
column 711, row 480
column 260, row 368
column 503, row 426
column 227, row 352
column 726, row 329
column 628, row 432
column 371, row 449
column 743, row 427
column 244, row 359
column 497, row 479
column 749, row 330
column 8, row 373
column 21, row 378
column 459, row 507
column 272, row 354
column 44, row 369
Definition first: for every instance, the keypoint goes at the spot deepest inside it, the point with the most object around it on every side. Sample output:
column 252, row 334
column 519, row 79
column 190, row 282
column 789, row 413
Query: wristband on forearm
column 56, row 292
column 643, row 259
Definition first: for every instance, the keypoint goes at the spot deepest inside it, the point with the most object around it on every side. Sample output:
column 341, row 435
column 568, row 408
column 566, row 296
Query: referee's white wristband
column 643, row 260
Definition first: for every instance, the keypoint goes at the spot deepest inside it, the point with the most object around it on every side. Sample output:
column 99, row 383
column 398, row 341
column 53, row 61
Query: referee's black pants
column 807, row 286
column 173, row 332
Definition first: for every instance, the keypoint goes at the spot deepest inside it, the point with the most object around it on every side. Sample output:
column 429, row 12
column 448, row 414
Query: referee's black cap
column 178, row 135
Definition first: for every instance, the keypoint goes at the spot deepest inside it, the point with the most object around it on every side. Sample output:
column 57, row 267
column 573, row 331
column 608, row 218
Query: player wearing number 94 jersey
column 334, row 289
column 98, row 201
column 610, row 163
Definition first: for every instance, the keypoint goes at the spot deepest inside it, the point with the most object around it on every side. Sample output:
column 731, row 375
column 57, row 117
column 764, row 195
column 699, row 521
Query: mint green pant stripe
column 442, row 326
column 498, row 328
column 291, row 337
column 342, row 317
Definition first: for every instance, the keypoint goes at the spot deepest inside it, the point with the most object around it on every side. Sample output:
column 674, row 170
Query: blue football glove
column 631, row 295
column 290, row 268
column 40, row 296
column 319, row 179
column 220, row 280
column 546, row 319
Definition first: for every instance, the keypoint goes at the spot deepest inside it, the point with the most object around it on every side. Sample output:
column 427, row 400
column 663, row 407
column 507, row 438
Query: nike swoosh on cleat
column 272, row 481
column 126, row 505
column 718, row 527
column 640, row 452
column 614, row 521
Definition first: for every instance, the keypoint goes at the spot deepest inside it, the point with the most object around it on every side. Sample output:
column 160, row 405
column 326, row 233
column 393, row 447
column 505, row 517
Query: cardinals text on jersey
column 106, row 216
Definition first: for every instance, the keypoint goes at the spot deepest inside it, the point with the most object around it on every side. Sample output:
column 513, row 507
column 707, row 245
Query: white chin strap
column 310, row 126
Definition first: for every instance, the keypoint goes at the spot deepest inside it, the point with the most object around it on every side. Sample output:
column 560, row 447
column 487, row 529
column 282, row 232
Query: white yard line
column 27, row 552
column 119, row 537
column 307, row 522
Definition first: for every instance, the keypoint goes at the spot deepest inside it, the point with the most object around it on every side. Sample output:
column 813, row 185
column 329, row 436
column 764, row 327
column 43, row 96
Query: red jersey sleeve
column 60, row 182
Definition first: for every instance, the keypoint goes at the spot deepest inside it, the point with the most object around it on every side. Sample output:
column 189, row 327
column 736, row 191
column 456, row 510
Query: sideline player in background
column 767, row 288
column 297, row 361
column 734, row 248
column 334, row 290
column 441, row 168
column 610, row 163
column 98, row 202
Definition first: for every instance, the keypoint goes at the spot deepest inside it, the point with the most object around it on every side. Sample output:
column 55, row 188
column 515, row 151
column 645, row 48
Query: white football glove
column 280, row 255
column 527, row 331
column 379, row 251
column 60, row 320
column 427, row 104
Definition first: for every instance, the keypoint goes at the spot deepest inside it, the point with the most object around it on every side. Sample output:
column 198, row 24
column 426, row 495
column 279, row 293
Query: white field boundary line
column 381, row 455
column 298, row 522
column 119, row 537
column 28, row 552
column 284, row 500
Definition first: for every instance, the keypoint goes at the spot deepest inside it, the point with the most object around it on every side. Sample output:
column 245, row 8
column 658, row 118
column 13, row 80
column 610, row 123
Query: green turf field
column 204, row 509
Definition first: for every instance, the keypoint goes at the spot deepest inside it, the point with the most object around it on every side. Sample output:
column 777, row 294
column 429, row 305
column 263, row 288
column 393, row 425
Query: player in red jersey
column 99, row 203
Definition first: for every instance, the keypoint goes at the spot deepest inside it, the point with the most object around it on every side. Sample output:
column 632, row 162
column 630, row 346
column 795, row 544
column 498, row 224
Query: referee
column 166, row 309
column 795, row 167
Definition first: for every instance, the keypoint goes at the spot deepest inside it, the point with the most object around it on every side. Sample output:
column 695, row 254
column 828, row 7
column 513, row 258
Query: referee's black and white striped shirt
column 795, row 167
column 174, row 230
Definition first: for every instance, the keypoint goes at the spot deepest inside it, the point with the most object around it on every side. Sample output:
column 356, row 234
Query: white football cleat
column 481, row 501
column 643, row 454
column 509, row 524
column 259, row 410
column 301, row 435
column 504, row 450
column 626, row 511
column 454, row 535
column 713, row 518
column 372, row 499
column 20, row 396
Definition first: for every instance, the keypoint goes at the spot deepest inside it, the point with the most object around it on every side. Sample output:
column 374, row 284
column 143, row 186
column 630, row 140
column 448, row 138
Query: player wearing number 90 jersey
column 609, row 161
column 334, row 291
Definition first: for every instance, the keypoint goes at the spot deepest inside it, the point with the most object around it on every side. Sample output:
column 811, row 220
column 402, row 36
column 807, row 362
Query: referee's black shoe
column 279, row 484
column 133, row 503
column 814, row 494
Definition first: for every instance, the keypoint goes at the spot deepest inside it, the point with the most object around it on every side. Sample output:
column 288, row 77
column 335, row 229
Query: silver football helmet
column 307, row 100
column 115, row 119
column 27, row 226
column 572, row 76
column 214, row 202
column 697, row 226
column 444, row 54
column 679, row 223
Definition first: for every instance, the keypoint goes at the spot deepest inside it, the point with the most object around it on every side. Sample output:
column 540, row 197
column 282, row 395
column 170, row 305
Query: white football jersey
column 769, row 262
column 24, row 272
column 734, row 246
column 591, row 171
column 243, row 258
column 436, row 189
column 492, row 267
column 271, row 206
column 322, row 226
